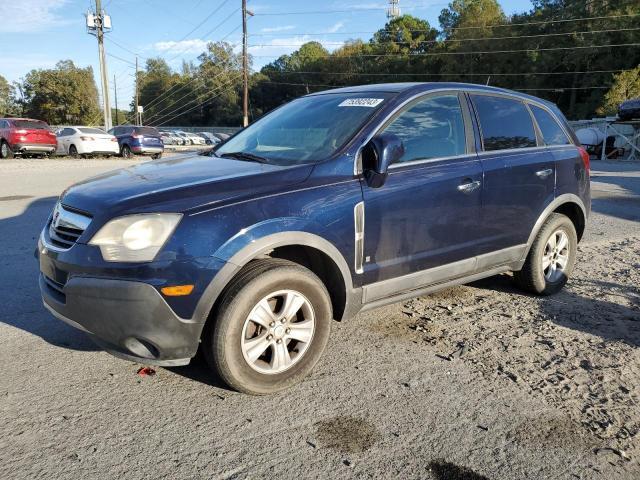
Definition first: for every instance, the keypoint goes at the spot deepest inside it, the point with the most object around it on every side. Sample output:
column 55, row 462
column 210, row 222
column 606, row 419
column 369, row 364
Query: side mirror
column 378, row 154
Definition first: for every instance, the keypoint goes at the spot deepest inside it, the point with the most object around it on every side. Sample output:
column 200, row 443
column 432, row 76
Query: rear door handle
column 469, row 187
column 544, row 173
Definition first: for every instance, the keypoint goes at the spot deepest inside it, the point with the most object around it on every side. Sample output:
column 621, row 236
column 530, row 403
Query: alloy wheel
column 278, row 332
column 556, row 256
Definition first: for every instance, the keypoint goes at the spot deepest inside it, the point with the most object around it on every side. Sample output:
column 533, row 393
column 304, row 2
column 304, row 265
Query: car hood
column 179, row 185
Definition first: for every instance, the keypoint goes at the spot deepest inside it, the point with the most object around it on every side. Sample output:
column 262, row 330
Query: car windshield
column 30, row 124
column 95, row 131
column 306, row 130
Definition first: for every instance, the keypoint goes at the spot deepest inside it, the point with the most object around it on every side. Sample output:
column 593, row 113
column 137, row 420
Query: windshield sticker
column 361, row 102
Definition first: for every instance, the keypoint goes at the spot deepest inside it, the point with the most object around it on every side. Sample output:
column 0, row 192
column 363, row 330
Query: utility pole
column 138, row 119
column 97, row 22
column 245, row 66
column 394, row 9
column 115, row 94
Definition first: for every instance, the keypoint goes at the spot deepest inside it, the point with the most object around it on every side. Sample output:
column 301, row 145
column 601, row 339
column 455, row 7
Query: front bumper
column 129, row 319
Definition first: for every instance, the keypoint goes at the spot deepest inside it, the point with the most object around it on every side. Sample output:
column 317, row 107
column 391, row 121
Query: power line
column 449, row 40
column 378, row 74
column 429, row 54
column 178, row 86
column 517, row 89
column 201, row 103
column 364, row 9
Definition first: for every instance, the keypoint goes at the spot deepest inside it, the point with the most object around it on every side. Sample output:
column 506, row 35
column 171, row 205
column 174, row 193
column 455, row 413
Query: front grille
column 66, row 226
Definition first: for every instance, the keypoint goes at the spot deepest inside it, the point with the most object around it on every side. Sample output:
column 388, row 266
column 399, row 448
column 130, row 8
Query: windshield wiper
column 245, row 156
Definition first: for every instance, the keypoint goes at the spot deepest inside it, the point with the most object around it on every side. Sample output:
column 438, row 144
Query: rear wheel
column 271, row 327
column 551, row 259
column 126, row 151
column 73, row 151
column 5, row 150
column 156, row 156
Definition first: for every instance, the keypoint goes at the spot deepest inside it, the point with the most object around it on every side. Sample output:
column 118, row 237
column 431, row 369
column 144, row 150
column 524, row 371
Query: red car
column 24, row 136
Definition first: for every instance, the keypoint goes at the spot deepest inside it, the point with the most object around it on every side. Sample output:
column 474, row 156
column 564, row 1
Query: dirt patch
column 347, row 434
column 579, row 350
column 449, row 471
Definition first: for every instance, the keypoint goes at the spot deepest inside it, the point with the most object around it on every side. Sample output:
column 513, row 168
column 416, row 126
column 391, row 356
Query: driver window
column 431, row 128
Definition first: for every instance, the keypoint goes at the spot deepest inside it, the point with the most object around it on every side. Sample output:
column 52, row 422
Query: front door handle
column 469, row 187
column 544, row 173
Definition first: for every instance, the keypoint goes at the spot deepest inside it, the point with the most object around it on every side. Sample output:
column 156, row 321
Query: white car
column 191, row 138
column 81, row 141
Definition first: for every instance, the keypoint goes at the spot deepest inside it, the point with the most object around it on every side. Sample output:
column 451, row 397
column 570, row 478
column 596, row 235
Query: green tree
column 626, row 85
column 8, row 104
column 62, row 95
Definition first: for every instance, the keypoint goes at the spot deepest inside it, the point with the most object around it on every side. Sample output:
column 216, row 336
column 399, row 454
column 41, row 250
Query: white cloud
column 20, row 16
column 278, row 29
column 335, row 27
column 195, row 45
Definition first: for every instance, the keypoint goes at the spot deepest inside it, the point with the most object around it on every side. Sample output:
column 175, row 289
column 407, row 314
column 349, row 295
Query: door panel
column 517, row 187
column 421, row 219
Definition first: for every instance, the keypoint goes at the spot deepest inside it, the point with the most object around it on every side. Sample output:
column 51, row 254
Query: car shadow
column 19, row 292
column 199, row 371
column 609, row 320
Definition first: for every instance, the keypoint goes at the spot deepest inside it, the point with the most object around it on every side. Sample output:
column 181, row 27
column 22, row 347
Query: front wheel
column 551, row 259
column 271, row 328
column 156, row 156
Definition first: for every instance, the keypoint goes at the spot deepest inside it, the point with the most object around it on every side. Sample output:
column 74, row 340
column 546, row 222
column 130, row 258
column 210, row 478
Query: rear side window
column 504, row 122
column 30, row 124
column 431, row 128
column 552, row 133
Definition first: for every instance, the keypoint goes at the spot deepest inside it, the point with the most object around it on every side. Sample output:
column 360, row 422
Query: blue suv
column 138, row 140
column 337, row 202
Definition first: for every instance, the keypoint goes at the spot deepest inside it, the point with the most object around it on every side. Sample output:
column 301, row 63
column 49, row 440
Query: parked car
column 25, row 137
column 209, row 138
column 629, row 110
column 222, row 136
column 167, row 138
column 337, row 202
column 191, row 138
column 84, row 141
column 138, row 140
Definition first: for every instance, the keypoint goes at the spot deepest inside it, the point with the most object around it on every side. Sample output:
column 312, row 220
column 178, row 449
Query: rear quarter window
column 505, row 123
column 552, row 133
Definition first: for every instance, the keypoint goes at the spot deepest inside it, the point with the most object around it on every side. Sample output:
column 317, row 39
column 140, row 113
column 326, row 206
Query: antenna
column 394, row 9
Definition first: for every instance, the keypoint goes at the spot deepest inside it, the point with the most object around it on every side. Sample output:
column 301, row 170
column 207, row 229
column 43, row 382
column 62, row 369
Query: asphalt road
column 476, row 382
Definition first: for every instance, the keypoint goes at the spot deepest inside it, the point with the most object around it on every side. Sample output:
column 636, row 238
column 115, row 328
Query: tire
column 5, row 151
column 156, row 156
column 226, row 336
column 534, row 276
column 73, row 151
column 125, row 151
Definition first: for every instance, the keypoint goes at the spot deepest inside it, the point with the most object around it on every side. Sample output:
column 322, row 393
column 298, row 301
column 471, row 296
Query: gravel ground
column 476, row 382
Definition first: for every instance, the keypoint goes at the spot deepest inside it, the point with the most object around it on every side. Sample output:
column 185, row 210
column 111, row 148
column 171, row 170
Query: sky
column 42, row 32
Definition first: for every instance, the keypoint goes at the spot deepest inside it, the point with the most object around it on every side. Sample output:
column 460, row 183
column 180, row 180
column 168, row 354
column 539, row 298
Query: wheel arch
column 567, row 204
column 307, row 249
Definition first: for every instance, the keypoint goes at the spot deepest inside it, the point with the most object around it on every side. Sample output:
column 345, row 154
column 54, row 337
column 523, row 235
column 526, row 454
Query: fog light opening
column 141, row 348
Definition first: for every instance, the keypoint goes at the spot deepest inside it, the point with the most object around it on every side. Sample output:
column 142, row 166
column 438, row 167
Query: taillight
column 585, row 159
column 86, row 139
column 114, row 139
column 22, row 131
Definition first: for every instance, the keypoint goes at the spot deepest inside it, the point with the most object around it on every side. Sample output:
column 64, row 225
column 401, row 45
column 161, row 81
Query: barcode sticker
column 361, row 102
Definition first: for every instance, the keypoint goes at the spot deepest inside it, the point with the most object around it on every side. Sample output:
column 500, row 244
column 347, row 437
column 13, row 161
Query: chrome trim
column 544, row 173
column 358, row 225
column 68, row 219
column 469, row 187
column 394, row 166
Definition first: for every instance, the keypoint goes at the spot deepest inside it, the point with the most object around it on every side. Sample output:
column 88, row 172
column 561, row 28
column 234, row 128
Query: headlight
column 135, row 238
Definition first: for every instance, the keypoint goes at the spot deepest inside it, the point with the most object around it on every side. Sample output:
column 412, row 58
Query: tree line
column 563, row 50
